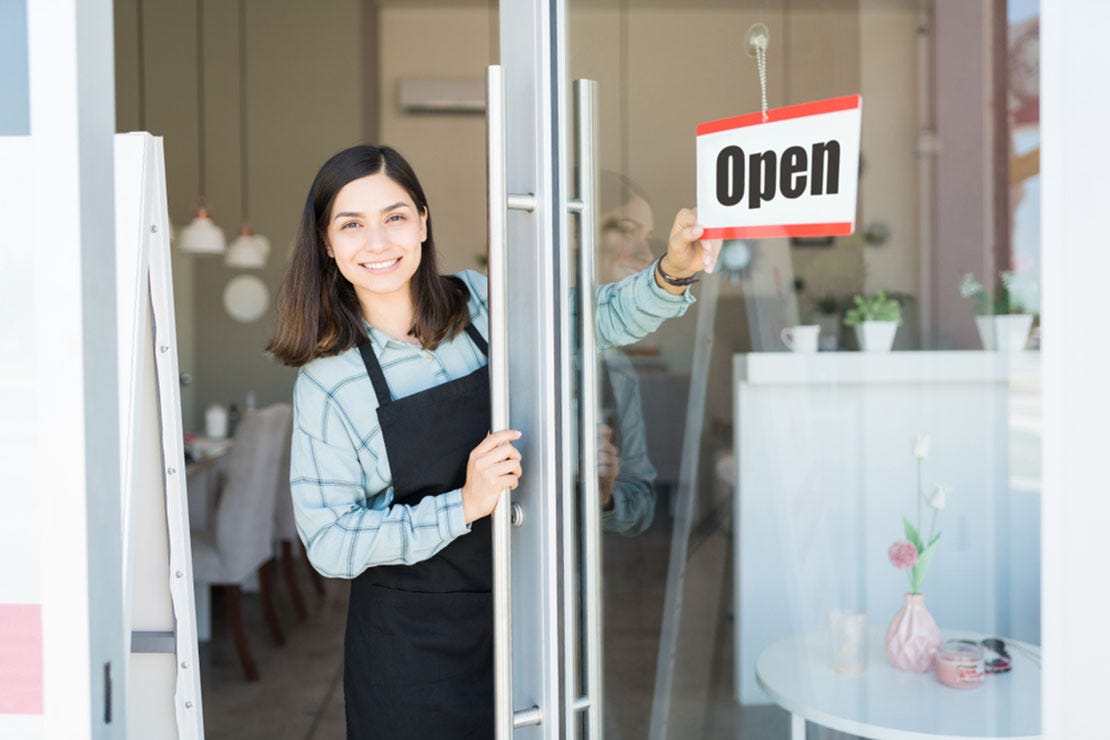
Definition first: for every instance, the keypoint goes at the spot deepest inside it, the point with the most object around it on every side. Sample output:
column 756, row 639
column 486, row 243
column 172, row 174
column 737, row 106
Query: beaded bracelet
column 671, row 280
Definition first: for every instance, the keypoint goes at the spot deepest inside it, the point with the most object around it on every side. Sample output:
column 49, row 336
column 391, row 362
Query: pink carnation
column 902, row 554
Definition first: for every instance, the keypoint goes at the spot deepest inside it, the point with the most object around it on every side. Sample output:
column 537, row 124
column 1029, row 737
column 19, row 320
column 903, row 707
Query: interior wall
column 888, row 192
column 305, row 76
column 965, row 180
column 447, row 151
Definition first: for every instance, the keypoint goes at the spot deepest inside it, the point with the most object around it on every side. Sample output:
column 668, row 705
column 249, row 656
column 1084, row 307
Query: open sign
column 797, row 174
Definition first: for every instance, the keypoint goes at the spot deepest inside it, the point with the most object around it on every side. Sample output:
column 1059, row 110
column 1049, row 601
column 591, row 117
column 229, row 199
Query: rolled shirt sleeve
column 347, row 521
column 633, row 308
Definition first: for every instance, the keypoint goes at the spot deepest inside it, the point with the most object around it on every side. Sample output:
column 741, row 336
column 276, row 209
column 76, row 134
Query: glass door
column 789, row 537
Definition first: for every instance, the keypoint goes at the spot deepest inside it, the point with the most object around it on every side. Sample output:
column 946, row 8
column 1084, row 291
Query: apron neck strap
column 476, row 337
column 374, row 368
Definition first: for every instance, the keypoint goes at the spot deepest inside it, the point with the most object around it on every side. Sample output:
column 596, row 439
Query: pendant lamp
column 249, row 250
column 202, row 235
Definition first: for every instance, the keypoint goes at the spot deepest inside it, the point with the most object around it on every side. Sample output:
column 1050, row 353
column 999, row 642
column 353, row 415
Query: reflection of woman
column 626, row 475
column 393, row 471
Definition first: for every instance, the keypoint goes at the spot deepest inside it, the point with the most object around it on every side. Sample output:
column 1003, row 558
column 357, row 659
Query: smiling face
column 374, row 234
column 625, row 234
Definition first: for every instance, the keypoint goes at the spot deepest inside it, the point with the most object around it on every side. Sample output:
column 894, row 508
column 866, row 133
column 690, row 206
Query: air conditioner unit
column 441, row 96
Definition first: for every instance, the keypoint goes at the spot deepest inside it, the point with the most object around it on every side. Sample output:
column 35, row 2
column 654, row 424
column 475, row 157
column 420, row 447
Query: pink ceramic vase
column 913, row 636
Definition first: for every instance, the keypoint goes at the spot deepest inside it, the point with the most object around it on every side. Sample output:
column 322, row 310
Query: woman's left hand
column 687, row 253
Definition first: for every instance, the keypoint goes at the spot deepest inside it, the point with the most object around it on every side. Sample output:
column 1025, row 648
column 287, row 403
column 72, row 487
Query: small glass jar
column 959, row 664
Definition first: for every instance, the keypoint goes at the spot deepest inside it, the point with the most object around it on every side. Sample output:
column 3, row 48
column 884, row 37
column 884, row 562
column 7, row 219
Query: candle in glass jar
column 959, row 664
column 849, row 639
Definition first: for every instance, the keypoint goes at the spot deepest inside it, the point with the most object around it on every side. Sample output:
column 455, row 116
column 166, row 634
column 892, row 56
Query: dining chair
column 285, row 527
column 240, row 541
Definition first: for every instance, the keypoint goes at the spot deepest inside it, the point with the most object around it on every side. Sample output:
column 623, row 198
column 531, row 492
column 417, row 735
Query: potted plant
column 1002, row 321
column 875, row 319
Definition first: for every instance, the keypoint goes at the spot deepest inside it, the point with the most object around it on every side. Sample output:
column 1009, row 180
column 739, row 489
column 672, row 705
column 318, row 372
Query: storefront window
column 815, row 524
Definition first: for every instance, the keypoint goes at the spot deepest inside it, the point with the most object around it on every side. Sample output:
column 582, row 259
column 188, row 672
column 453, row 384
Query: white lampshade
column 248, row 251
column 202, row 235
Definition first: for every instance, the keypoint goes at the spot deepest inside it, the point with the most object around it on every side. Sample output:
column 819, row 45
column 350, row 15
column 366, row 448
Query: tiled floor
column 300, row 695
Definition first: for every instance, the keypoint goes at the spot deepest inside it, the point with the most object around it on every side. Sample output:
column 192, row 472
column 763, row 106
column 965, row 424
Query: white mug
column 802, row 338
column 215, row 421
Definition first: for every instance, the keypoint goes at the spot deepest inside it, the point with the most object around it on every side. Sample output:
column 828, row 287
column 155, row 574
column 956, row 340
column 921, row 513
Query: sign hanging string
column 759, row 37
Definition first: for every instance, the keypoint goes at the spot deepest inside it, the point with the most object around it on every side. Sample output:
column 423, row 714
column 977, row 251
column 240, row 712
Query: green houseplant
column 1002, row 319
column 875, row 319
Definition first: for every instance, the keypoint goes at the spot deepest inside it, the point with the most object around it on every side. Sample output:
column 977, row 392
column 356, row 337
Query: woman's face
column 374, row 234
column 625, row 232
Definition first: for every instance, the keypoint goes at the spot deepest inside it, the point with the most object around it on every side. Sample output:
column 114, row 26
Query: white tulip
column 921, row 446
column 939, row 499
column 969, row 286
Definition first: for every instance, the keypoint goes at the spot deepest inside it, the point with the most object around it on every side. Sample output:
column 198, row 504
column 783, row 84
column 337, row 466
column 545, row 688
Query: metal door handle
column 499, row 201
column 586, row 135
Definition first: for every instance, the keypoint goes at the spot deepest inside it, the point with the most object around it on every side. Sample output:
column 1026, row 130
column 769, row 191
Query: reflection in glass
column 626, row 475
column 778, row 481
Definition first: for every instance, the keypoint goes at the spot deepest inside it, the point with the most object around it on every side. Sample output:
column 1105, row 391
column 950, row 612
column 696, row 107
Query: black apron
column 418, row 659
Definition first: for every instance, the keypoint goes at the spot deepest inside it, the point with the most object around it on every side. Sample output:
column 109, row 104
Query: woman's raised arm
column 633, row 308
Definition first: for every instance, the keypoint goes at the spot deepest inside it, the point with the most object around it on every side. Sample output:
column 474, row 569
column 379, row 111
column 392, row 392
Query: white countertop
column 831, row 368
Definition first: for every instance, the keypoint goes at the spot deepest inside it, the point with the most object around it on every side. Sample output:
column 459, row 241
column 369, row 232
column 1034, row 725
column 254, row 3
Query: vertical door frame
column 77, row 462
column 537, row 347
column 1076, row 362
column 534, row 57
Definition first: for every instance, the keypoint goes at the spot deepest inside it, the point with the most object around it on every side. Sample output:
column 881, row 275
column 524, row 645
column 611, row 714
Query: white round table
column 888, row 704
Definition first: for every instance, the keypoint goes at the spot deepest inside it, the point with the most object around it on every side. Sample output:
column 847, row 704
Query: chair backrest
column 285, row 527
column 245, row 513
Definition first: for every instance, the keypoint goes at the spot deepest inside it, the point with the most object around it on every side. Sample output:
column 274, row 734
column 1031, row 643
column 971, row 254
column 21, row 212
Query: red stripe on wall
column 20, row 659
column 829, row 105
column 772, row 232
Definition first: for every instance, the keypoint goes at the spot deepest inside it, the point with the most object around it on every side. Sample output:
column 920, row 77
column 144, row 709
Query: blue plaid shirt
column 340, row 479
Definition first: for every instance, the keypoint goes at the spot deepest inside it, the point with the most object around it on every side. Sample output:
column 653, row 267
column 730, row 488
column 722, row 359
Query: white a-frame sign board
column 163, row 676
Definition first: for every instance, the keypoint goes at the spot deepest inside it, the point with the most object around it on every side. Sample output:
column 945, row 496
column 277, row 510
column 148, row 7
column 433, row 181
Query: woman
column 626, row 475
column 393, row 471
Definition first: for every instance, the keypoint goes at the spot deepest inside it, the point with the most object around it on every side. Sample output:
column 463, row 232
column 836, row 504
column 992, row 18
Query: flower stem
column 920, row 495
column 932, row 528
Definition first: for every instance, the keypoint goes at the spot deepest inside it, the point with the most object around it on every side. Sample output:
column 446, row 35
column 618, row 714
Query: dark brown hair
column 318, row 311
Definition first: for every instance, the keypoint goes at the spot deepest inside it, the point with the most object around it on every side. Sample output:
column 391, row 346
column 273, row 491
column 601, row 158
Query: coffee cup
column 801, row 338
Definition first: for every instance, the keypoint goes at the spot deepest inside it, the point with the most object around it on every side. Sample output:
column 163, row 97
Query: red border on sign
column 771, row 232
column 774, row 115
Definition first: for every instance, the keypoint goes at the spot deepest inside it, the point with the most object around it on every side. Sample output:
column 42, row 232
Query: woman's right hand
column 494, row 466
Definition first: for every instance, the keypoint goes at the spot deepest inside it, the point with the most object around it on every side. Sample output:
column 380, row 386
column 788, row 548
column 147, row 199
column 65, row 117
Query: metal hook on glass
column 758, row 39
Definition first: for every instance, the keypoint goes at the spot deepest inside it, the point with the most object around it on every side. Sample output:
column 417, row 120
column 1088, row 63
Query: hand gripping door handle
column 586, row 136
column 498, row 200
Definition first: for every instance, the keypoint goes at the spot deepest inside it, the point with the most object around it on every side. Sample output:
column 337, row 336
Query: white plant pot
column 876, row 336
column 1005, row 332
